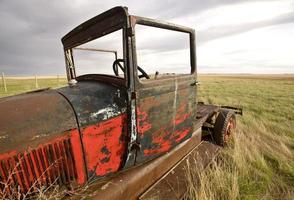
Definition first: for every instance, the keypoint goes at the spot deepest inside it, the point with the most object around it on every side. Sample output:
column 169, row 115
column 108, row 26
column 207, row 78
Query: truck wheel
column 224, row 127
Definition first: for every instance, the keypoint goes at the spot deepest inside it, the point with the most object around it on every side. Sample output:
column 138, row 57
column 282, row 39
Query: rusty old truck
column 127, row 132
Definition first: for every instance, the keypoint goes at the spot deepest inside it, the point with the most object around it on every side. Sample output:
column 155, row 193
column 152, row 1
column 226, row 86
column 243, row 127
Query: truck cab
column 154, row 114
column 101, row 123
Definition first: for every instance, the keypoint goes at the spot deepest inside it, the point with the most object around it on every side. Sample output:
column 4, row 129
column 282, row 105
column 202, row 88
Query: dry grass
column 259, row 164
column 36, row 191
column 52, row 192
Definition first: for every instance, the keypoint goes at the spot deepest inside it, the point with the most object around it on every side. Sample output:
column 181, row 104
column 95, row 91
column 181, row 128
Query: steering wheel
column 117, row 63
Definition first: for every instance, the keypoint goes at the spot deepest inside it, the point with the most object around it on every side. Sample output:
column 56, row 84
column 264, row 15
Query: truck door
column 165, row 103
column 165, row 115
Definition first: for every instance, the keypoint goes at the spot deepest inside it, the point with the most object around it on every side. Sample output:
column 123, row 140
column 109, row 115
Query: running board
column 173, row 185
column 144, row 181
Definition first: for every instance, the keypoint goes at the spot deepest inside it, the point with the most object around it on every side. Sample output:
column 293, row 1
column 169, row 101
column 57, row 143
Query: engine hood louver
column 48, row 164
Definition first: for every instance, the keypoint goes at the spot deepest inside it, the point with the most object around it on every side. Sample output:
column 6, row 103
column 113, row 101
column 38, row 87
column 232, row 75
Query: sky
column 233, row 36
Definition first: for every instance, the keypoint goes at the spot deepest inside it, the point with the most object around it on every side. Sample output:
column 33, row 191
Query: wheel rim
column 229, row 130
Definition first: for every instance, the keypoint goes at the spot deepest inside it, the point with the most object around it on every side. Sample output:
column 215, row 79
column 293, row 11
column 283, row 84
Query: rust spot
column 105, row 160
column 105, row 150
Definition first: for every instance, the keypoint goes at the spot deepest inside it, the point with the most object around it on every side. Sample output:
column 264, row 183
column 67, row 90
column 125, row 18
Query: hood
column 33, row 118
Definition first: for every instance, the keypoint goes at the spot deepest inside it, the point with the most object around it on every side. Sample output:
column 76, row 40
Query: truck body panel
column 101, row 114
column 166, row 112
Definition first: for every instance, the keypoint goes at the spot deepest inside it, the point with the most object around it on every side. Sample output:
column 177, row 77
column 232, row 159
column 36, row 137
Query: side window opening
column 162, row 53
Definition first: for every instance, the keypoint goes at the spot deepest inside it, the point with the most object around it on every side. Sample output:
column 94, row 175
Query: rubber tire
column 221, row 124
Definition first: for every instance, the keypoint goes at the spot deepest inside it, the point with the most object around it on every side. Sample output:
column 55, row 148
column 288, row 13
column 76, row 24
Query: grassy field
column 20, row 85
column 259, row 164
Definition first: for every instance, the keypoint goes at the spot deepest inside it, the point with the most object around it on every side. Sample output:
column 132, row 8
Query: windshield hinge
column 134, row 95
column 130, row 31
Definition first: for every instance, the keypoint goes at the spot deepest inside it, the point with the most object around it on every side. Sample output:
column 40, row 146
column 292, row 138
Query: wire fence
column 11, row 85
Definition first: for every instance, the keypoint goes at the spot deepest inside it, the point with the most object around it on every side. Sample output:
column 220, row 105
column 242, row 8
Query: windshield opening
column 98, row 56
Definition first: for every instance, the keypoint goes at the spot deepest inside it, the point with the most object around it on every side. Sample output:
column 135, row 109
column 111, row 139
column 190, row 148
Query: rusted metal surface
column 38, row 132
column 230, row 129
column 170, row 26
column 173, row 185
column 95, row 101
column 170, row 95
column 101, row 115
column 96, row 27
column 206, row 111
column 165, row 116
column 49, row 163
column 98, row 50
column 237, row 110
column 33, row 118
column 133, row 182
column 108, row 79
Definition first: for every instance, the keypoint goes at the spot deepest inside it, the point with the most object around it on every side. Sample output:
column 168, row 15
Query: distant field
column 260, row 163
column 17, row 85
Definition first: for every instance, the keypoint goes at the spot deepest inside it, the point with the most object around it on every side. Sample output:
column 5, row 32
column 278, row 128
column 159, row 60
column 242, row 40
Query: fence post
column 58, row 80
column 36, row 82
column 4, row 82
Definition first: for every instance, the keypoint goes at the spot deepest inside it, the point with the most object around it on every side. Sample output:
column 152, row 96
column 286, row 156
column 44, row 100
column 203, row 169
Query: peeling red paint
column 36, row 165
column 7, row 155
column 104, row 148
column 104, row 145
column 166, row 137
column 182, row 114
column 162, row 144
column 179, row 135
column 78, row 156
column 142, row 122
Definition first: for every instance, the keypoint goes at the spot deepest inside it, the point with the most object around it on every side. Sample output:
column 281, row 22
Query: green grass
column 18, row 85
column 259, row 164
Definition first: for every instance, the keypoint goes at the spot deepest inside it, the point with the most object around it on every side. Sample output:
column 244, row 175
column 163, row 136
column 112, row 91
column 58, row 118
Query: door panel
column 165, row 116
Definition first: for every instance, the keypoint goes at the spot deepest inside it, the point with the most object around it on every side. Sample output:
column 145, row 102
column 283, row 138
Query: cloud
column 173, row 8
column 162, row 41
column 255, row 51
column 31, row 30
column 227, row 30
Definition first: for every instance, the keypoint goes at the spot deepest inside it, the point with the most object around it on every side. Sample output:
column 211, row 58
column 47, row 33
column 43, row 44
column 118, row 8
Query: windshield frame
column 104, row 24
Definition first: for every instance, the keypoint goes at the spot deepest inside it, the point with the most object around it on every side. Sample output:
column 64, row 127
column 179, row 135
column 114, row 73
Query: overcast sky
column 233, row 36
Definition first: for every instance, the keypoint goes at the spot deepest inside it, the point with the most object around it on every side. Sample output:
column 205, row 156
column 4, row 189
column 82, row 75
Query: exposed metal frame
column 89, row 31
column 103, row 24
column 98, row 50
column 169, row 26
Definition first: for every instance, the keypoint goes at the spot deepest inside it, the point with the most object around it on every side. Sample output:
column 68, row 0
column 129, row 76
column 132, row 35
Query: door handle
column 195, row 83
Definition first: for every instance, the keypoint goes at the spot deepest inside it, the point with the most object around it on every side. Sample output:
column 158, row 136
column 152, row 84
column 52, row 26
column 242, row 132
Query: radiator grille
column 49, row 164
